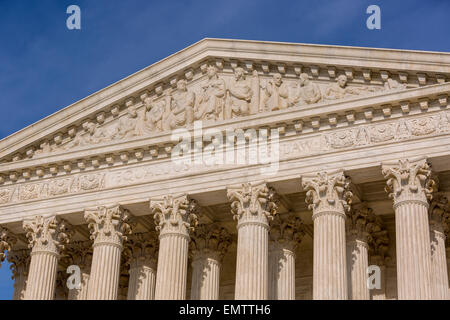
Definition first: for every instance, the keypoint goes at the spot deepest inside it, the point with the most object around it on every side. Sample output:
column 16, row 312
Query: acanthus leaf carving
column 287, row 232
column 253, row 203
column 47, row 234
column 210, row 240
column 408, row 180
column 327, row 192
column 142, row 249
column 175, row 214
column 7, row 240
column 108, row 224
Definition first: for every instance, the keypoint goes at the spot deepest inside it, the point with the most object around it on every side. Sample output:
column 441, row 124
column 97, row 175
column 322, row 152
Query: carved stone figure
column 277, row 94
column 391, row 84
column 240, row 95
column 181, row 105
column 155, row 114
column 307, row 92
column 211, row 101
column 127, row 124
column 340, row 90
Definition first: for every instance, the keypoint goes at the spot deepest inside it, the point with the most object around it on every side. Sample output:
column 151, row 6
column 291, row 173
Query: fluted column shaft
column 358, row 264
column 329, row 257
column 281, row 272
column 413, row 251
column 407, row 183
column 172, row 267
column 175, row 217
column 439, row 265
column 380, row 294
column 82, row 292
column 328, row 196
column 105, row 272
column 205, row 276
column 142, row 280
column 253, row 205
column 252, row 262
column 42, row 276
column 108, row 228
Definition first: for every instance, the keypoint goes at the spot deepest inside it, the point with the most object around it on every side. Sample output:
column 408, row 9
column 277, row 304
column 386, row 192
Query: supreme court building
column 344, row 164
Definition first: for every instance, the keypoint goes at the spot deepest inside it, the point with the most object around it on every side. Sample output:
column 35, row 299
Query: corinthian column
column 285, row 235
column 208, row 246
column 20, row 262
column 175, row 218
column 328, row 196
column 252, row 205
column 143, row 249
column 108, row 226
column 408, row 185
column 439, row 216
column 80, row 254
column 47, row 238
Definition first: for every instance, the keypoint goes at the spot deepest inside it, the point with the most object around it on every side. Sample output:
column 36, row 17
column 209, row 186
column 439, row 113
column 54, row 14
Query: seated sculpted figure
column 181, row 107
column 277, row 94
column 154, row 115
column 127, row 125
column 307, row 92
column 211, row 102
column 337, row 90
column 240, row 95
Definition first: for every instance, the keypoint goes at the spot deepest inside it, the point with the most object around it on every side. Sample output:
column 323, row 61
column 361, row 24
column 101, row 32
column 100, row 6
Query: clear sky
column 45, row 67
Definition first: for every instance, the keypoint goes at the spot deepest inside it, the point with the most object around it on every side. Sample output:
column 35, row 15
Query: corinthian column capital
column 210, row 240
column 108, row 224
column 286, row 232
column 7, row 240
column 253, row 203
column 20, row 262
column 175, row 214
column 358, row 223
column 327, row 192
column 408, row 181
column 80, row 254
column 142, row 248
column 47, row 234
column 439, row 212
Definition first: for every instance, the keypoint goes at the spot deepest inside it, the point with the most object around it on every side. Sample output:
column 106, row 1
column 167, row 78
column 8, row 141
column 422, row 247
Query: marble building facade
column 362, row 179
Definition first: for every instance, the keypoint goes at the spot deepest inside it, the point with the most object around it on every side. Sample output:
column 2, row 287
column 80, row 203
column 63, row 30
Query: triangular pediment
column 145, row 104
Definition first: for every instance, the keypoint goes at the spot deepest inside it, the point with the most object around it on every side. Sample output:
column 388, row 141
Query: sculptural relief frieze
column 307, row 145
column 216, row 96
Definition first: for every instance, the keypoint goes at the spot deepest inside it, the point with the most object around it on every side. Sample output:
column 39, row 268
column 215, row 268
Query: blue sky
column 45, row 67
